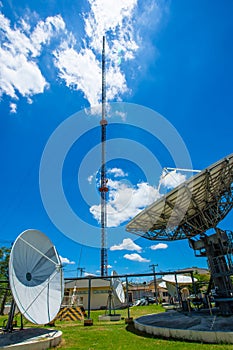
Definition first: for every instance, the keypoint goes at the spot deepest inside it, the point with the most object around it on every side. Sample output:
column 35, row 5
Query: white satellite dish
column 36, row 279
column 163, row 285
column 117, row 287
column 181, row 279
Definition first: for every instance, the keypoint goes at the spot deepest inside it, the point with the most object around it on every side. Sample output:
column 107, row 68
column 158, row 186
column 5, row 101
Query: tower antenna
column 103, row 181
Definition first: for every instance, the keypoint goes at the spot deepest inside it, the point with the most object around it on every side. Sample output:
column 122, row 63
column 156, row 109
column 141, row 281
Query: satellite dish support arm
column 9, row 326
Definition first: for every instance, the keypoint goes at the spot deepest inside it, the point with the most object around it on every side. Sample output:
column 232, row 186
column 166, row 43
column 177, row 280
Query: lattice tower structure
column 103, row 180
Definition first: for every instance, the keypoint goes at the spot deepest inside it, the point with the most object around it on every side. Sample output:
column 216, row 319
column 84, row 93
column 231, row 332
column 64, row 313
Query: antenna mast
column 103, row 182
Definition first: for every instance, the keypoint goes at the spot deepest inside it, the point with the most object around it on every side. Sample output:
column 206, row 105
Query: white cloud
column 90, row 178
column 81, row 69
column 79, row 63
column 29, row 100
column 13, row 108
column 135, row 257
column 108, row 15
column 125, row 24
column 66, row 261
column 117, row 172
column 109, row 266
column 125, row 201
column 115, row 18
column 127, row 244
column 159, row 246
column 172, row 179
column 122, row 115
column 86, row 274
column 20, row 73
column 44, row 31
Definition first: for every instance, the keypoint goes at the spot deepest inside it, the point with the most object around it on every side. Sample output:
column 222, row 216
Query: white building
column 76, row 293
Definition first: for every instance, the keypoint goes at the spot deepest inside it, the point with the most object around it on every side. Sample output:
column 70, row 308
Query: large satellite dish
column 117, row 287
column 35, row 275
column 188, row 211
column 192, row 208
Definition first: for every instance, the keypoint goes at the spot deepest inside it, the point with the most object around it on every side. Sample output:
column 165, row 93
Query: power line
column 82, row 270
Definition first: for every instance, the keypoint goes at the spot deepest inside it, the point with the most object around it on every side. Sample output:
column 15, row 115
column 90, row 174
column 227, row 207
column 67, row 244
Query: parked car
column 144, row 301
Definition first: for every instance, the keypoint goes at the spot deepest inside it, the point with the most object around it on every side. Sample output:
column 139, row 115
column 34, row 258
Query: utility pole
column 81, row 269
column 153, row 266
column 103, row 182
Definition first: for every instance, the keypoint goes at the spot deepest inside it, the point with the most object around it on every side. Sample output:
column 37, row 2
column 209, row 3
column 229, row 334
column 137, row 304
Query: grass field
column 119, row 336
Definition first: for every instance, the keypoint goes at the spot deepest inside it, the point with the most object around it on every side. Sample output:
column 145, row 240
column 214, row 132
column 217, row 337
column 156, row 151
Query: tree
column 4, row 261
column 202, row 282
column 4, row 276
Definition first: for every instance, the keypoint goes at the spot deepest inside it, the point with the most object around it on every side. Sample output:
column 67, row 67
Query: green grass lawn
column 119, row 336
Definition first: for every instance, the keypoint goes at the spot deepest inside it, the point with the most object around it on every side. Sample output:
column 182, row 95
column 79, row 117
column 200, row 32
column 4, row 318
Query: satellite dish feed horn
column 36, row 278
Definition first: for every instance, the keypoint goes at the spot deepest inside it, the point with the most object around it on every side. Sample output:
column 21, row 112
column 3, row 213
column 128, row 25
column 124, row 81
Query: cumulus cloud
column 79, row 63
column 117, row 172
column 66, row 261
column 135, row 257
column 159, row 246
column 20, row 48
column 127, row 244
column 171, row 179
column 78, row 59
column 125, row 201
column 44, row 31
column 81, row 69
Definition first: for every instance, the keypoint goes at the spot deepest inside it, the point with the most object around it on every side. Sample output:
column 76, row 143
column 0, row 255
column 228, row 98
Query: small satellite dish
column 117, row 287
column 181, row 279
column 162, row 285
column 36, row 279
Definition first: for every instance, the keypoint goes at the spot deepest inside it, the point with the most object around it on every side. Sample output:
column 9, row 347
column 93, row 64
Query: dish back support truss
column 192, row 208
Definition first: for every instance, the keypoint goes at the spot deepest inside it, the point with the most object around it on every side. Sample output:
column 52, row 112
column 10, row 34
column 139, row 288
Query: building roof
column 199, row 270
column 83, row 283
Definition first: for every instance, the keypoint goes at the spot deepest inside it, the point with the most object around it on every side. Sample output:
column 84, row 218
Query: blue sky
column 169, row 90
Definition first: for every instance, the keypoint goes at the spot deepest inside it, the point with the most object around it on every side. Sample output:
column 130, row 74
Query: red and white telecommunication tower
column 103, row 180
